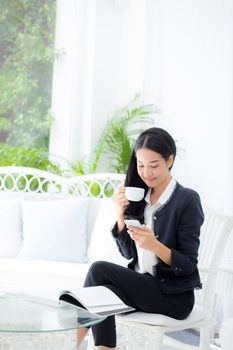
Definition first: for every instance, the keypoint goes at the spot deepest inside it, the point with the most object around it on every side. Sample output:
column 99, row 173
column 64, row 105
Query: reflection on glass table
column 25, row 324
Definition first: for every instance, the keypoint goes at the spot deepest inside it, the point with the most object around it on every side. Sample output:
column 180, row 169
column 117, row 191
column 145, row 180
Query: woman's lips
column 150, row 180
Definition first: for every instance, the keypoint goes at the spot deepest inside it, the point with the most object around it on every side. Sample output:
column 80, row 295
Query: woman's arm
column 123, row 241
column 185, row 245
column 119, row 230
column 185, row 253
column 120, row 202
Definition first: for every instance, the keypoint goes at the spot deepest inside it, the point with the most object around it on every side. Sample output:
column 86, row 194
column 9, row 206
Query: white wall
column 194, row 87
column 119, row 60
column 194, row 90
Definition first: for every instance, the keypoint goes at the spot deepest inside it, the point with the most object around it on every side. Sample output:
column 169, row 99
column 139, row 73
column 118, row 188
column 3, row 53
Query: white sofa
column 53, row 228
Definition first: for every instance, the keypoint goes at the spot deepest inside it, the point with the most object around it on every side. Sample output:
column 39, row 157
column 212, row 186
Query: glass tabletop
column 19, row 314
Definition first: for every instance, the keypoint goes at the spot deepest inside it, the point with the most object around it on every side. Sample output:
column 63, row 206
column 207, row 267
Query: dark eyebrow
column 153, row 161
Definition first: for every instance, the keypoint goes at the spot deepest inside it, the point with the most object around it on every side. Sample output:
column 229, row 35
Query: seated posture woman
column 162, row 273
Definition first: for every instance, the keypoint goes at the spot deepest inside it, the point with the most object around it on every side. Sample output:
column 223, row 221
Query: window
column 26, row 63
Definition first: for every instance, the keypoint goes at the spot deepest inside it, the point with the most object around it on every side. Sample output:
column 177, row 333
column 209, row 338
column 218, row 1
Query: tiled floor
column 188, row 337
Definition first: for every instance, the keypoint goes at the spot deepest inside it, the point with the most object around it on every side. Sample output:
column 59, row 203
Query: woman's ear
column 170, row 161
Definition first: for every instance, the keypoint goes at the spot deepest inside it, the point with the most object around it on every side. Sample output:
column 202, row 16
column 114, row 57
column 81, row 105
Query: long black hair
column 157, row 140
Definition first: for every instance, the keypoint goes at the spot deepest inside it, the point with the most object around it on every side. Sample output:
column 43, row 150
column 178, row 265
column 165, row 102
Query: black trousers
column 140, row 291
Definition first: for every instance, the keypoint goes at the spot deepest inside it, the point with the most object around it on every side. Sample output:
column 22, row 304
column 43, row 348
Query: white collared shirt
column 146, row 258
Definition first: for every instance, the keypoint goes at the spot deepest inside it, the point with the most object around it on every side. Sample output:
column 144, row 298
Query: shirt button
column 155, row 217
column 162, row 280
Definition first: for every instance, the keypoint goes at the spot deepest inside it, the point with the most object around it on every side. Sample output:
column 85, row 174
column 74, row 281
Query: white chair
column 146, row 331
column 226, row 334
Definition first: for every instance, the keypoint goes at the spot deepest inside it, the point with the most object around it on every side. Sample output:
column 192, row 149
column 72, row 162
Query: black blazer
column 177, row 225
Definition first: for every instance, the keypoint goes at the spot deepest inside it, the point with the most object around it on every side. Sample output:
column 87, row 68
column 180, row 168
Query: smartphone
column 135, row 223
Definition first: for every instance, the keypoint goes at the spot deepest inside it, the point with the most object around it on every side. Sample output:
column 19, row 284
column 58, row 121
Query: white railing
column 30, row 180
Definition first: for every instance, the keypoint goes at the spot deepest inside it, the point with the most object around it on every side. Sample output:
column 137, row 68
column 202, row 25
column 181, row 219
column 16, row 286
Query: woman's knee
column 100, row 266
column 97, row 273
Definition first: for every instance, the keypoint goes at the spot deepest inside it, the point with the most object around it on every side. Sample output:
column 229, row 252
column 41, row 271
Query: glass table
column 26, row 324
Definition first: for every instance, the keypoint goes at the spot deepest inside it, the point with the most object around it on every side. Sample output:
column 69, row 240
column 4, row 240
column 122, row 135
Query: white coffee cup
column 134, row 194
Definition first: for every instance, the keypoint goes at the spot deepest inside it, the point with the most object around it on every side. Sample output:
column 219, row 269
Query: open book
column 98, row 300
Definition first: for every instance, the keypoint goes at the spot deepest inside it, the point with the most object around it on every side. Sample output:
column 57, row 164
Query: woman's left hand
column 144, row 236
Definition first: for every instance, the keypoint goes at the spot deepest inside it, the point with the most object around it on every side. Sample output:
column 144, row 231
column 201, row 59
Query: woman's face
column 152, row 167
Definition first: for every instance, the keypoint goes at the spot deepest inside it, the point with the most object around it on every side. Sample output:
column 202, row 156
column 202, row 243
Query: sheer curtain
column 98, row 68
column 72, row 78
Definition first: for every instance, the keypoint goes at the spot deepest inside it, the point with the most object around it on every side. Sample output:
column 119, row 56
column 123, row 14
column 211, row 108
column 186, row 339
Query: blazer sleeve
column 124, row 242
column 184, row 254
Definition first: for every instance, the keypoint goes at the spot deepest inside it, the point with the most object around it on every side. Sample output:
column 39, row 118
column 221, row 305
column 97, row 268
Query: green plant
column 26, row 64
column 32, row 158
column 115, row 143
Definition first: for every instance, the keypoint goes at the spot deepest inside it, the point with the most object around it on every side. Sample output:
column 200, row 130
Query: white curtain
column 99, row 68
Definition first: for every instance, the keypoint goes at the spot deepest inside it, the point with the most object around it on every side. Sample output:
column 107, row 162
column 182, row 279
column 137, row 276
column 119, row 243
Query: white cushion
column 55, row 230
column 11, row 224
column 102, row 245
column 198, row 314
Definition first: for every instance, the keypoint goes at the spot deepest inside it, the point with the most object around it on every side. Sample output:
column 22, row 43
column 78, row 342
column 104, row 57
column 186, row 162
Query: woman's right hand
column 120, row 200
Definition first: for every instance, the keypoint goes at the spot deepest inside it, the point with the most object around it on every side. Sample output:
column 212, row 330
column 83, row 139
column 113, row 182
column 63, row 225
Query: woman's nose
column 147, row 172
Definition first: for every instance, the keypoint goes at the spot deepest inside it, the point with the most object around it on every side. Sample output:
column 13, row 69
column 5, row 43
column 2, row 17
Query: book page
column 95, row 296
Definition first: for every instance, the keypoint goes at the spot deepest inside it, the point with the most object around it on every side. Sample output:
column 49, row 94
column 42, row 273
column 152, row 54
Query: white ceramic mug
column 134, row 194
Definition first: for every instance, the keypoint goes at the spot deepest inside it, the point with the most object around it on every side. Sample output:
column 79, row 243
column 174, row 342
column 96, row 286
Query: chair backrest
column 214, row 234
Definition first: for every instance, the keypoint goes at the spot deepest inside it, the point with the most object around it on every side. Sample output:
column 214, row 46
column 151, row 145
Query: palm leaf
column 116, row 140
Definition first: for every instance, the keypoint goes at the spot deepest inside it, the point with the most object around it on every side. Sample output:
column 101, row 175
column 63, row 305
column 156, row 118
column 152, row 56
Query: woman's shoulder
column 186, row 192
column 188, row 201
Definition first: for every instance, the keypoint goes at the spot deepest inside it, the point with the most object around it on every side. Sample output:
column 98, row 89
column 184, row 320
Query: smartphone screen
column 135, row 223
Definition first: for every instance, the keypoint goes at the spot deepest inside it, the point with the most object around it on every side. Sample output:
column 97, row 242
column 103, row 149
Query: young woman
column 162, row 274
